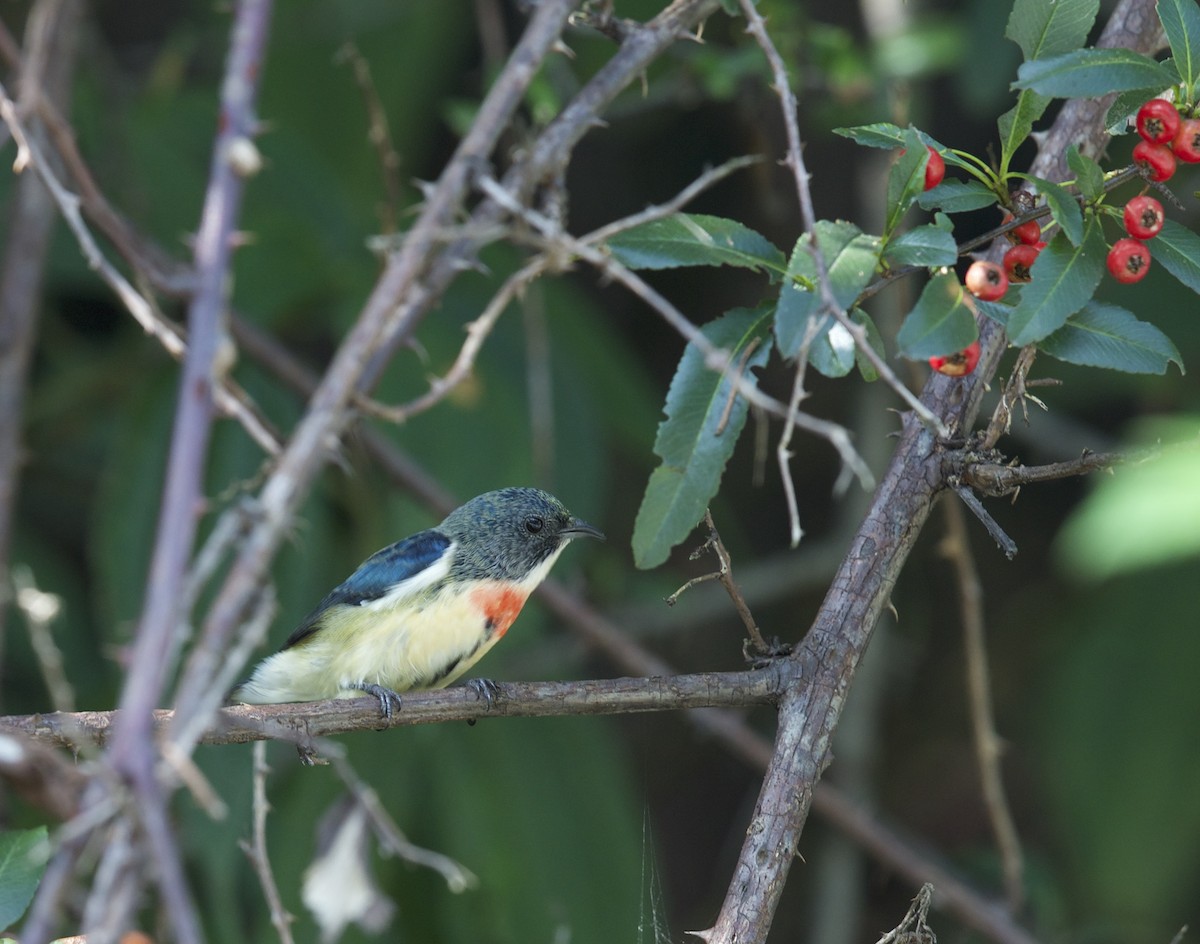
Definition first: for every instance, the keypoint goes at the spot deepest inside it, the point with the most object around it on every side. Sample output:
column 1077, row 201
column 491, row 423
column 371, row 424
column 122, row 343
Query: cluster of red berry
column 1166, row 139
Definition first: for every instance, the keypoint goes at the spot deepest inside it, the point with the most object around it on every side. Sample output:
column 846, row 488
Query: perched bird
column 422, row 611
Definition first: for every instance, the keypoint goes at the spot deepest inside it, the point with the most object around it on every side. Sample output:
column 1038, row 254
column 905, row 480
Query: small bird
column 422, row 611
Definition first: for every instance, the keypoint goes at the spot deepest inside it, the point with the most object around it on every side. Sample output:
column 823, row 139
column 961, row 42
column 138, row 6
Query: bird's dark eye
column 534, row 524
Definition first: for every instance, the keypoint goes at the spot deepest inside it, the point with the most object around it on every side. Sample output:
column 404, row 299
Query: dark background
column 573, row 824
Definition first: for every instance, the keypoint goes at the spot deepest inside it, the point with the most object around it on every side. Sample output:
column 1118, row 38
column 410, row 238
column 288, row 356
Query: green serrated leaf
column 690, row 239
column 884, row 134
column 940, row 323
column 1091, row 73
column 881, row 134
column 850, row 259
column 1089, row 176
column 695, row 441
column 22, row 862
column 957, row 196
column 1064, row 278
column 1177, row 248
column 1044, row 29
column 1064, row 208
column 1100, row 335
column 1181, row 22
column 1015, row 124
column 928, row 245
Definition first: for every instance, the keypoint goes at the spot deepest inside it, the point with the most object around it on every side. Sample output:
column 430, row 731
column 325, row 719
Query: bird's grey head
column 506, row 534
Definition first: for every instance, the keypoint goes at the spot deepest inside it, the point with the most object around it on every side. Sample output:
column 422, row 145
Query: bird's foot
column 389, row 700
column 485, row 689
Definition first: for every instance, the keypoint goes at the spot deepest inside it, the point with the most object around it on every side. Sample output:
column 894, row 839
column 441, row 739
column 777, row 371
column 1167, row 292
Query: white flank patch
column 414, row 584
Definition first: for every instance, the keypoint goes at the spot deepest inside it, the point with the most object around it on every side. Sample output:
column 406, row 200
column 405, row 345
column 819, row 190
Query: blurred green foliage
column 1094, row 682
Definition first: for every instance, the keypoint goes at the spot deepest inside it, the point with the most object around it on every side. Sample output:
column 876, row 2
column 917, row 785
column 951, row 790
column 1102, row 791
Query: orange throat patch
column 500, row 606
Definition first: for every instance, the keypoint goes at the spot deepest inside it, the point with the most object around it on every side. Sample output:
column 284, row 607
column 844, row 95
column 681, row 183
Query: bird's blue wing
column 375, row 576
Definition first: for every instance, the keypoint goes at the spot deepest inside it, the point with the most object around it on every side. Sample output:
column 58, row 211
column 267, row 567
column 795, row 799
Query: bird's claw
column 389, row 700
column 485, row 689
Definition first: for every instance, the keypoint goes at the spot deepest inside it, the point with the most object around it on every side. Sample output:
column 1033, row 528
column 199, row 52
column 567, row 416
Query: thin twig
column 458, row 877
column 996, row 480
column 716, row 358
column 40, row 610
column 756, row 26
column 914, row 927
column 988, row 745
column 256, row 849
column 479, row 329
column 378, row 133
column 724, row 574
column 971, row 500
column 230, row 399
column 477, row 332
column 1015, row 392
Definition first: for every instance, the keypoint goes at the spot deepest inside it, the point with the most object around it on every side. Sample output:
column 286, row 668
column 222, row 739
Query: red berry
column 986, row 280
column 1019, row 260
column 1143, row 217
column 1157, row 158
column 1128, row 260
column 959, row 363
column 1157, row 121
column 1187, row 141
column 935, row 167
column 1029, row 232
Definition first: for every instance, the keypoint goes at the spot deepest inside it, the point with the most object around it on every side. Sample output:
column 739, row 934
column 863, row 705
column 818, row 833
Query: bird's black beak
column 578, row 528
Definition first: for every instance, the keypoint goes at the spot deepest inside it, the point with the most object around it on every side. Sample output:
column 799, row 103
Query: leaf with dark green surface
column 1064, row 209
column 21, row 868
column 881, row 134
column 1044, row 29
column 1015, row 124
column 884, row 134
column 1041, row 30
column 928, row 245
column 1101, row 335
column 1177, row 248
column 851, row 257
column 957, row 196
column 941, row 322
column 1092, row 73
column 1181, row 22
column 1089, row 176
column 1064, row 278
column 695, row 441
column 692, row 239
